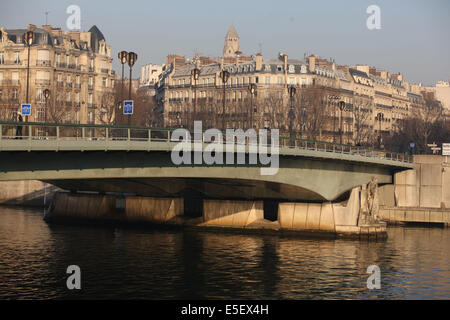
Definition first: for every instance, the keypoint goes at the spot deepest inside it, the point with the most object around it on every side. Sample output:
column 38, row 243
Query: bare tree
column 362, row 116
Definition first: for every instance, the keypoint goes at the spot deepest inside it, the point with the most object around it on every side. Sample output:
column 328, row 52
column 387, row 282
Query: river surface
column 130, row 263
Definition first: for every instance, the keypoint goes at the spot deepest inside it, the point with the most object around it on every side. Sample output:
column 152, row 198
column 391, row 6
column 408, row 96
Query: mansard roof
column 96, row 37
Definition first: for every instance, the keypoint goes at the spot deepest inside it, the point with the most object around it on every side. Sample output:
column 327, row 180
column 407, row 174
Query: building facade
column 76, row 68
column 347, row 104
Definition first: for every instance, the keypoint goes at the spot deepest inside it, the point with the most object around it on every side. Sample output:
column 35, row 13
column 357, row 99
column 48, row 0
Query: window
column 40, row 95
column 280, row 80
column 104, row 84
column 267, row 80
column 292, row 81
column 291, row 68
column 15, row 94
column 17, row 57
column 2, row 57
column 15, row 77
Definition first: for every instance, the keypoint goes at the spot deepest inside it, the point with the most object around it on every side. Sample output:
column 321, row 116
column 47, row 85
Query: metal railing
column 94, row 132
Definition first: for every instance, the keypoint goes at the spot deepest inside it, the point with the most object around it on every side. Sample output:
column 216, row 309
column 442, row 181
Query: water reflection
column 159, row 264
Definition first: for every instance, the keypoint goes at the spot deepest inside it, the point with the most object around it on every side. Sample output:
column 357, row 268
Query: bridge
column 137, row 160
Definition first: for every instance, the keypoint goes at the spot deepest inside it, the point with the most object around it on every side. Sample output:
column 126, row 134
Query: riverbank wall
column 419, row 195
column 29, row 193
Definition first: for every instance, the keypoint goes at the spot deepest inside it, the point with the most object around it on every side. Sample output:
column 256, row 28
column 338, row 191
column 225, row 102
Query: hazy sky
column 413, row 40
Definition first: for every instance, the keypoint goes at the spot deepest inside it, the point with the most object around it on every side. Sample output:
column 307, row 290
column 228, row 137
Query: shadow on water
column 150, row 263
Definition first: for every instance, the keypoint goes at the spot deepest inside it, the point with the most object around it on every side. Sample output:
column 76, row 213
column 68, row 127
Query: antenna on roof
column 46, row 16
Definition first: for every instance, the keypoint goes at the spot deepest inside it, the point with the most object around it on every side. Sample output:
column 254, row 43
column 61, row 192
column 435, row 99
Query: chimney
column 258, row 62
column 47, row 28
column 312, row 63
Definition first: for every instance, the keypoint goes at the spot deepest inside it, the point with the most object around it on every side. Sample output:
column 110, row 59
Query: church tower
column 231, row 43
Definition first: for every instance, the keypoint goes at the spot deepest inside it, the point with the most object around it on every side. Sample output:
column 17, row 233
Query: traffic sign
column 446, row 149
column 128, row 107
column 25, row 109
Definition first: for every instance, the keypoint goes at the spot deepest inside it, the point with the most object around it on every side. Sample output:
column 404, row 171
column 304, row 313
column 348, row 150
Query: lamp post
column 29, row 38
column 252, row 90
column 195, row 75
column 224, row 75
column 132, row 57
column 380, row 117
column 291, row 91
column 341, row 107
column 332, row 99
column 46, row 96
column 123, row 58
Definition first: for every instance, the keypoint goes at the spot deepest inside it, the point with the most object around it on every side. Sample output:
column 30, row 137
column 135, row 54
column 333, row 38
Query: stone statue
column 372, row 198
column 368, row 213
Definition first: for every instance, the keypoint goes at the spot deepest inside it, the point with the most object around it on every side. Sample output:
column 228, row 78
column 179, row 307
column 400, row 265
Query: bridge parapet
column 36, row 136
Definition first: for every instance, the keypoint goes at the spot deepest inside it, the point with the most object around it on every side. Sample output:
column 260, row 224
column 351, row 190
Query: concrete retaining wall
column 26, row 192
column 426, row 186
column 417, row 215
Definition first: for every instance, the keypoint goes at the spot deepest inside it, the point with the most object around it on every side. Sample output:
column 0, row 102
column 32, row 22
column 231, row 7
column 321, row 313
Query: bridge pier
column 355, row 217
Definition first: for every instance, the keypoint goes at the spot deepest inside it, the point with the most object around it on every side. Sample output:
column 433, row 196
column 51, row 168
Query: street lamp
column 379, row 117
column 224, row 75
column 291, row 91
column 123, row 58
column 331, row 99
column 132, row 57
column 341, row 107
column 46, row 96
column 195, row 75
column 252, row 90
column 29, row 38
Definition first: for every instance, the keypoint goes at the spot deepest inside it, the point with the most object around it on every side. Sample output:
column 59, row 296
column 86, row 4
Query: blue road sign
column 128, row 107
column 26, row 109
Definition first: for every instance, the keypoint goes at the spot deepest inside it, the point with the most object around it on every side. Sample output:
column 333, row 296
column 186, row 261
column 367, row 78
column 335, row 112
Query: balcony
column 9, row 82
column 68, row 103
column 72, row 66
column 43, row 82
column 104, row 71
column 91, row 69
column 60, row 84
column 77, row 104
column 69, row 84
column 60, row 65
column 77, row 86
column 43, row 63
column 90, row 86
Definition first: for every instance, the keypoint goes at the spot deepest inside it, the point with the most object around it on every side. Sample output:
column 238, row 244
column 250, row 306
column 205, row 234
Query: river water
column 130, row 263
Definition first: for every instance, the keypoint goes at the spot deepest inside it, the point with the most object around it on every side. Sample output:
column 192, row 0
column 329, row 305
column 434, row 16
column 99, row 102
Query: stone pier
column 356, row 217
column 350, row 218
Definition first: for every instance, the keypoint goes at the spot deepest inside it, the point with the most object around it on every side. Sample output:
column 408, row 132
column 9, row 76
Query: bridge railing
column 93, row 132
